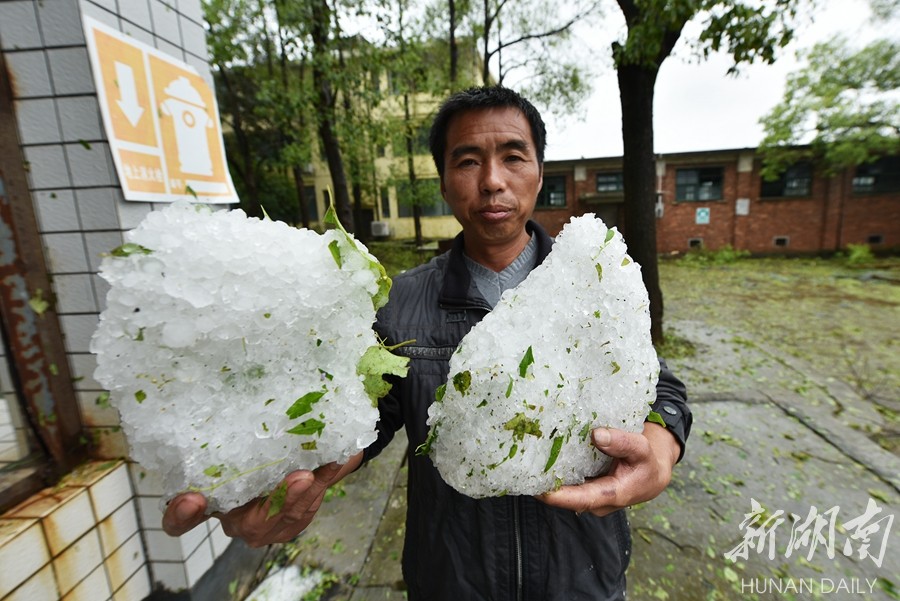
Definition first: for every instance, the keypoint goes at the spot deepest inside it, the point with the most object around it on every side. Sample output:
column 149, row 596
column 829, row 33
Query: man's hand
column 305, row 491
column 641, row 469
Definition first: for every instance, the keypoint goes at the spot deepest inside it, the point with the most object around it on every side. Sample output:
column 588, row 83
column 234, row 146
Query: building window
column 610, row 182
column 698, row 184
column 695, row 243
column 795, row 181
column 312, row 207
column 426, row 193
column 877, row 177
column 553, row 193
column 781, row 241
column 875, row 239
column 385, row 203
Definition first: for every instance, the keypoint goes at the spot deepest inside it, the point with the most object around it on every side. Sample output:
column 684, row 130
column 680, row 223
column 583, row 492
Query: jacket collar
column 457, row 279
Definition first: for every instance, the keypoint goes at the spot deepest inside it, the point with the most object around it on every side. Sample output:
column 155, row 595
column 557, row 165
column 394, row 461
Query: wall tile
column 94, row 415
column 65, row 515
column 30, row 73
column 79, row 118
column 220, row 541
column 75, row 563
column 37, row 121
column 162, row 547
column 65, row 253
column 18, row 25
column 57, row 19
column 47, row 167
column 109, row 5
column 77, row 331
column 41, row 585
column 118, row 528
column 100, row 244
column 93, row 588
column 137, row 587
column 74, row 293
column 56, row 210
column 101, row 289
column 194, row 36
column 97, row 208
column 198, row 563
column 125, row 561
column 70, row 70
column 113, row 490
column 169, row 48
column 89, row 9
column 23, row 552
column 110, row 443
column 139, row 33
column 192, row 9
column 132, row 213
column 82, row 367
column 189, row 541
column 165, row 22
column 144, row 481
column 136, row 11
column 151, row 514
column 170, row 575
column 90, row 164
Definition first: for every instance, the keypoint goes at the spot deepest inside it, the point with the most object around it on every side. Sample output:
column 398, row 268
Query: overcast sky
column 697, row 106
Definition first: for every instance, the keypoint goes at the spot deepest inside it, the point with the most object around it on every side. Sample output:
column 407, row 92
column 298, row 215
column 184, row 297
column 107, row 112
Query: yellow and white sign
column 161, row 119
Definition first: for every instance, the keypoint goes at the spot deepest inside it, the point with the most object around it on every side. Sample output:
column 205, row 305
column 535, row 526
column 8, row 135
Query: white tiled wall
column 97, row 538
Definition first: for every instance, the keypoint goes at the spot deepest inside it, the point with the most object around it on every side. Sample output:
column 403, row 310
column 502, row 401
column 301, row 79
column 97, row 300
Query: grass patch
column 397, row 257
column 675, row 347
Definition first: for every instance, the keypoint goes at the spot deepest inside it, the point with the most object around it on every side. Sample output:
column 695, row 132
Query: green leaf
column 189, row 190
column 521, row 425
column 425, row 448
column 656, row 418
column 526, row 361
column 509, row 388
column 140, row 396
column 128, row 249
column 610, row 234
column 276, row 500
column 309, row 427
column 335, row 247
column 599, row 271
column 616, row 367
column 377, row 362
column 439, row 393
column 214, row 471
column 37, row 302
column 554, row 453
column 304, row 404
column 462, row 381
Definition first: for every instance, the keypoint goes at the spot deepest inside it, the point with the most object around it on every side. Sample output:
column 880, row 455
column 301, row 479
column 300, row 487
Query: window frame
column 617, row 187
column 886, row 169
column 786, row 185
column 546, row 194
column 702, row 175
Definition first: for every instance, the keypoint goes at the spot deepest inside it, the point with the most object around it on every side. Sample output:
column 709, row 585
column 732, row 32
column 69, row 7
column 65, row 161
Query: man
column 574, row 543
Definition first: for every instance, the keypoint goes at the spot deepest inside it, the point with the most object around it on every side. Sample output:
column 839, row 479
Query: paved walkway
column 766, row 428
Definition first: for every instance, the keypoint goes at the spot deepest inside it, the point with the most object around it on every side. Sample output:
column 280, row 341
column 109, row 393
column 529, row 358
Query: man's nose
column 492, row 180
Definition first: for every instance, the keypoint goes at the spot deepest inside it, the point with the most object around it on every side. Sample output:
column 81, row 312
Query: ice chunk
column 230, row 347
column 566, row 351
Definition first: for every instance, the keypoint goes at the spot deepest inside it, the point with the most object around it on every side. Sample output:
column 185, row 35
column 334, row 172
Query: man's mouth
column 495, row 213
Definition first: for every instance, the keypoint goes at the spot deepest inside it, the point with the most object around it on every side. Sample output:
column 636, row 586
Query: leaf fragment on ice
column 377, row 362
column 304, row 404
column 462, row 381
column 310, row 426
column 521, row 425
column 214, row 471
column 276, row 500
column 527, row 360
column 656, row 418
column 554, row 453
column 128, row 249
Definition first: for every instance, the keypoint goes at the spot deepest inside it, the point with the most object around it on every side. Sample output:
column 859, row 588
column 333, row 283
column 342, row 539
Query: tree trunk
column 325, row 99
column 302, row 214
column 454, row 50
column 411, row 173
column 636, row 84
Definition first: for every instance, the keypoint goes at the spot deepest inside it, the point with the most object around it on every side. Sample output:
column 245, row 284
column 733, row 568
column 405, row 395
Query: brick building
column 713, row 199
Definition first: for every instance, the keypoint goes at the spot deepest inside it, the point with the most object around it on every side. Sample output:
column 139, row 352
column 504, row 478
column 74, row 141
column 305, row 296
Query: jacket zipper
column 518, row 550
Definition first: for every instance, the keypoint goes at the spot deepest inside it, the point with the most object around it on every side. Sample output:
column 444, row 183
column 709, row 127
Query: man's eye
column 514, row 157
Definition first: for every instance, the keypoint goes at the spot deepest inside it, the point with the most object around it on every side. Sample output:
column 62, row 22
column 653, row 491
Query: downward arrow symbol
column 128, row 100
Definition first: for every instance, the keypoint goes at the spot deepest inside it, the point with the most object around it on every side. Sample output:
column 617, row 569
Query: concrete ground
column 767, row 429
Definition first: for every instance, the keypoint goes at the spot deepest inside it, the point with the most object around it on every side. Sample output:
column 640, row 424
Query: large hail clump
column 566, row 351
column 237, row 350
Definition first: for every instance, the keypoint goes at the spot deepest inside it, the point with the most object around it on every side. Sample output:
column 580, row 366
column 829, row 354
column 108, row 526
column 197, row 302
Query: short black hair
column 483, row 97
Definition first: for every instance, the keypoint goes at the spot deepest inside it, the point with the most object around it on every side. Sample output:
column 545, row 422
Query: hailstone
column 566, row 351
column 238, row 349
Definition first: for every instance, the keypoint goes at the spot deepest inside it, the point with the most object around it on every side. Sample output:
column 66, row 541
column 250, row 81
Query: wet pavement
column 781, row 494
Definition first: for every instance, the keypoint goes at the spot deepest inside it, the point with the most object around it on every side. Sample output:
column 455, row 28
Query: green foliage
column 843, row 104
column 377, row 362
column 722, row 256
column 859, row 254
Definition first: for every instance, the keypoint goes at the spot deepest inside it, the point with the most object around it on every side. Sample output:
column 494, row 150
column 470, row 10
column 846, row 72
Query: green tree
column 842, row 106
column 748, row 31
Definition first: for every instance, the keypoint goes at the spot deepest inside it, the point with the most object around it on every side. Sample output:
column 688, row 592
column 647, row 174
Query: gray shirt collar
column 491, row 284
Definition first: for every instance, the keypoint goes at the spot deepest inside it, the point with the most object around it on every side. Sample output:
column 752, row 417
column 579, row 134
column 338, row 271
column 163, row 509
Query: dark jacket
column 507, row 548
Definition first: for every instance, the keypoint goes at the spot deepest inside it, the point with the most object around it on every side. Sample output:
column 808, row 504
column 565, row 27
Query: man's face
column 491, row 176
